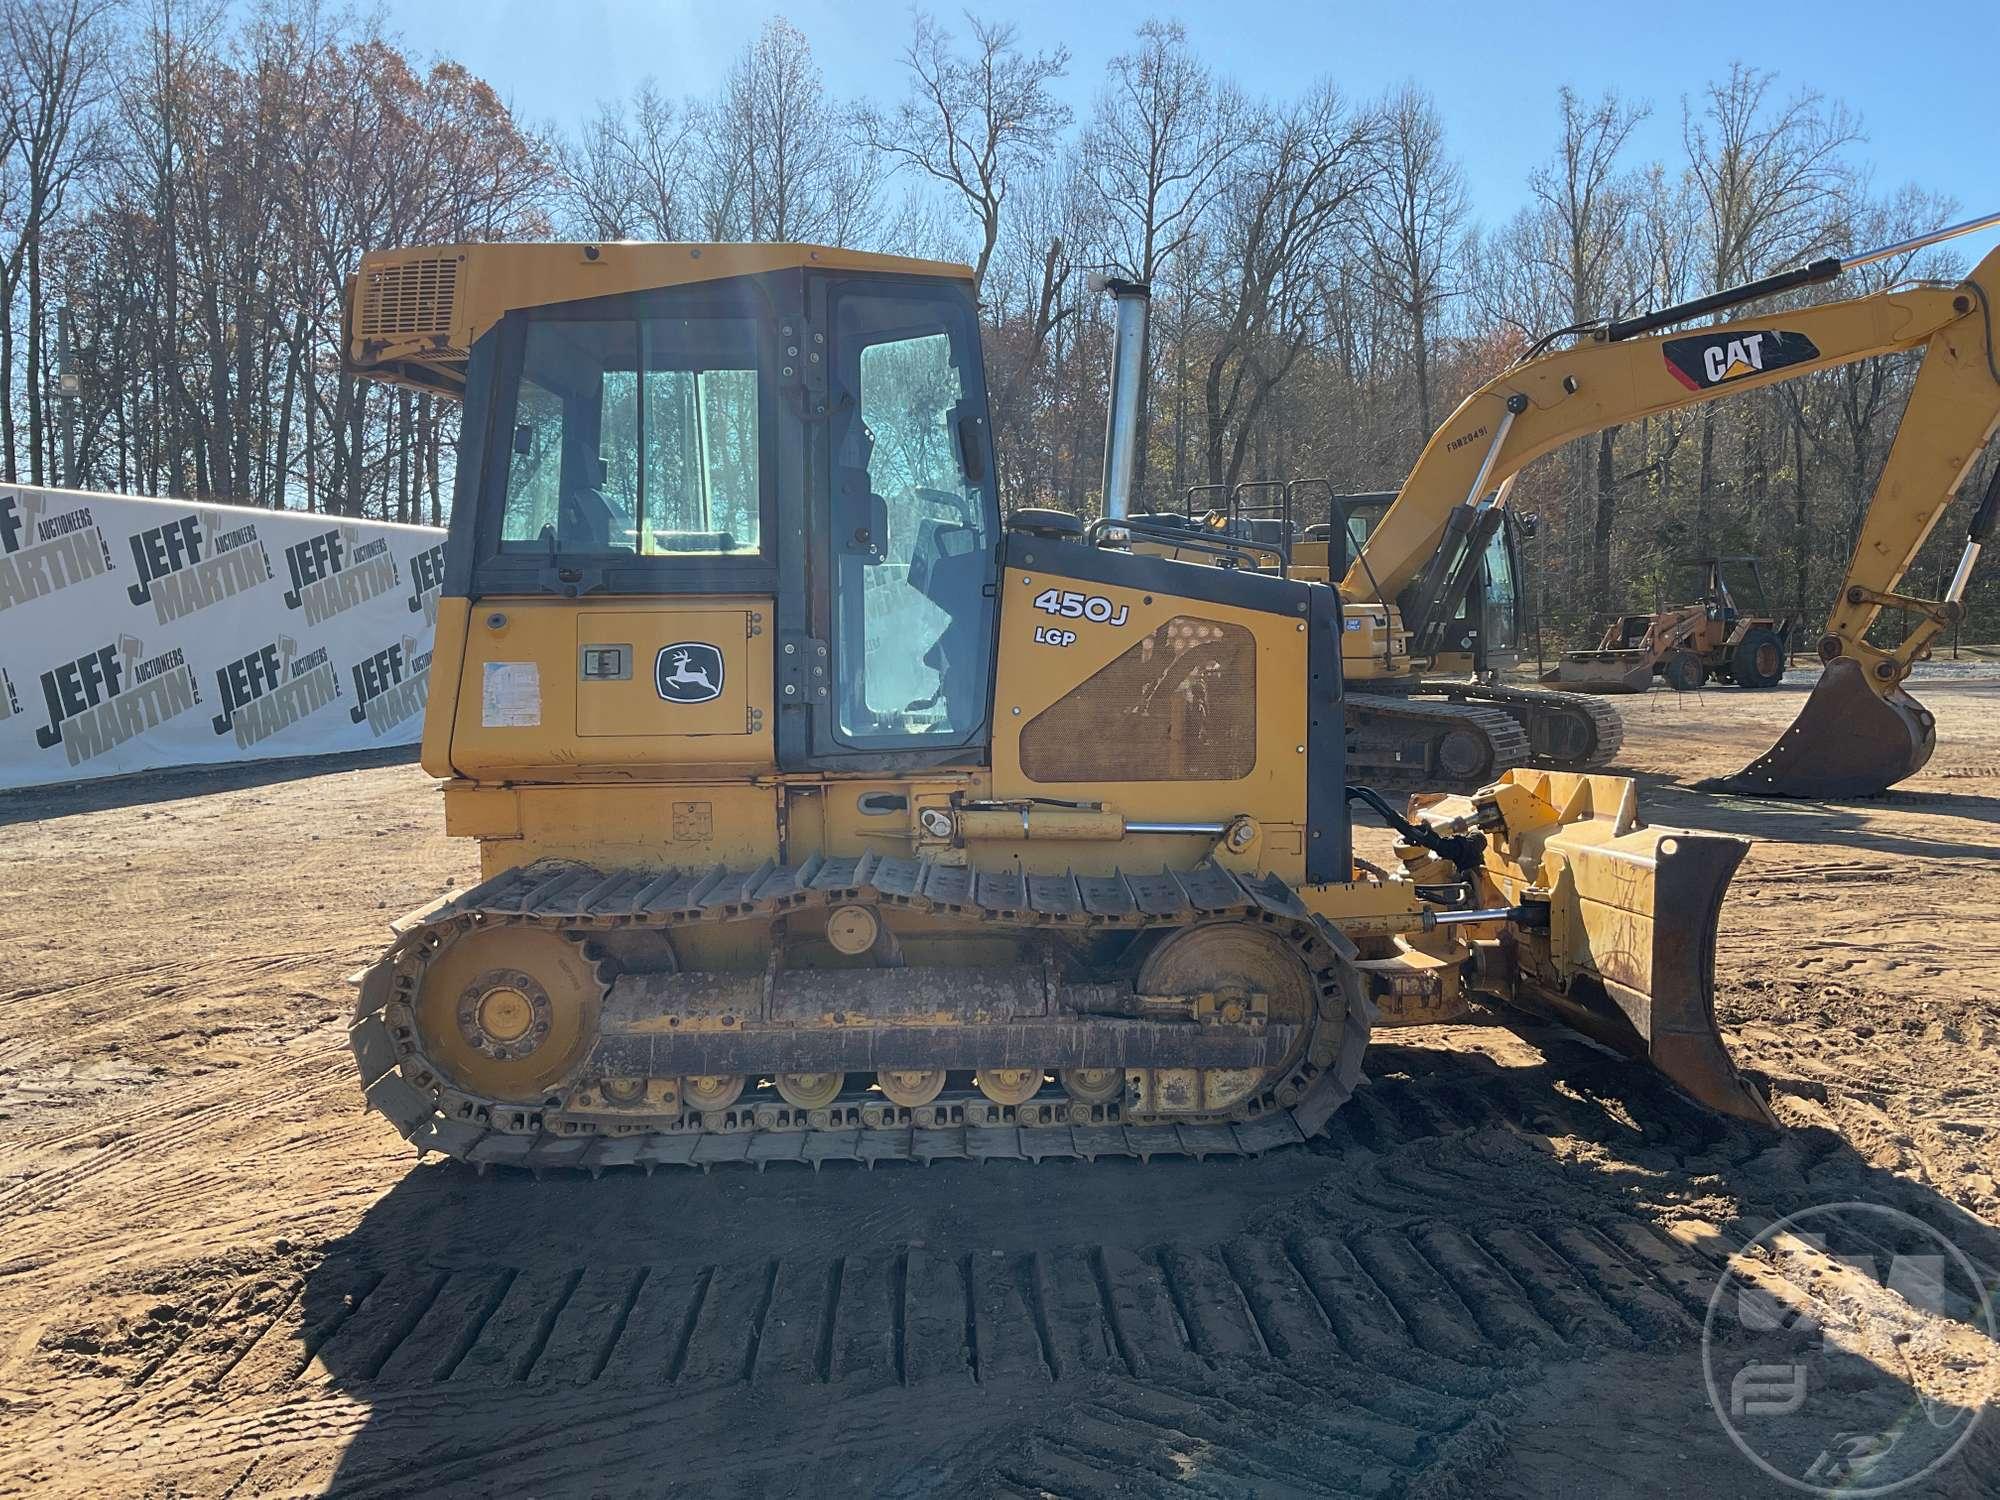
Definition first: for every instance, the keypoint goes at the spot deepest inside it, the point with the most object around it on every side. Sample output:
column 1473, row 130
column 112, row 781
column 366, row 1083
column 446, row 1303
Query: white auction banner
column 141, row 634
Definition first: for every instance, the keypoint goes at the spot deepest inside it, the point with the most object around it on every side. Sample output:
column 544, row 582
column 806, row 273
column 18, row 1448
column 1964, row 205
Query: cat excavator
column 1405, row 589
column 823, row 817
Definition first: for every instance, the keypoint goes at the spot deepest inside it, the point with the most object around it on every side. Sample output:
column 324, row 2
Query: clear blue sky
column 1920, row 76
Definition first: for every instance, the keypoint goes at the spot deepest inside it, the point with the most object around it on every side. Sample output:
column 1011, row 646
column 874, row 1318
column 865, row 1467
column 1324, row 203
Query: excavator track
column 587, row 907
column 1565, row 731
column 1410, row 742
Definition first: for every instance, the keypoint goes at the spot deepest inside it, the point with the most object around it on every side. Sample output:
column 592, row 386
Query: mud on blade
column 1846, row 742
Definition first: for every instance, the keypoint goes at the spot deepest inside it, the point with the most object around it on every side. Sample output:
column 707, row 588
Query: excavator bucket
column 1628, row 956
column 1846, row 742
column 1602, row 672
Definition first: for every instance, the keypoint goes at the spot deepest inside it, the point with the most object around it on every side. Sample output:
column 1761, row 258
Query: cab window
column 637, row 437
column 913, row 524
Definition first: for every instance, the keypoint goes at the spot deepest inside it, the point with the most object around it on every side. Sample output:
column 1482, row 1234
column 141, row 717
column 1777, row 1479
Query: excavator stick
column 1627, row 958
column 1846, row 742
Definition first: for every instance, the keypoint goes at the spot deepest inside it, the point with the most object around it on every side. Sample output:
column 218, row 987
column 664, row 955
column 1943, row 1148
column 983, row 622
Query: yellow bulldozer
column 823, row 817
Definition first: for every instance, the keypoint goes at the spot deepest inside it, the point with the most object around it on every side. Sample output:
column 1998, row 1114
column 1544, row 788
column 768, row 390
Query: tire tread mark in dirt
column 1102, row 1276
column 1152, row 1331
column 476, row 1325
column 1008, row 1343
column 1210, row 1304
column 686, row 1335
column 1435, row 1316
column 1177, row 1303
column 570, row 1353
column 212, row 1380
column 759, row 1318
column 789, row 1349
column 1077, row 1325
column 1670, row 1262
column 367, row 1340
column 864, row 1354
column 439, row 1336
column 497, row 1349
column 828, row 1313
column 1360, row 1313
column 270, row 1362
column 545, row 1326
column 1288, row 1314
column 933, row 1317
column 619, row 1325
column 1556, row 1288
column 899, row 1296
column 1500, row 1306
column 1650, row 1314
column 1034, row 1291
column 723, row 1343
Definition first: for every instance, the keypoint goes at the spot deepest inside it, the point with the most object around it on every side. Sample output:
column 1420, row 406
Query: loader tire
column 1759, row 659
column 1683, row 671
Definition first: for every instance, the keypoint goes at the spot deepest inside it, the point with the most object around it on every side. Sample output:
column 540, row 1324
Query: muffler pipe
column 1121, row 423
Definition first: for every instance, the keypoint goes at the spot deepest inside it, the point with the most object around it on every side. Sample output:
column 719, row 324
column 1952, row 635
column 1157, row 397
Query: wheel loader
column 1860, row 731
column 1688, row 644
column 823, row 817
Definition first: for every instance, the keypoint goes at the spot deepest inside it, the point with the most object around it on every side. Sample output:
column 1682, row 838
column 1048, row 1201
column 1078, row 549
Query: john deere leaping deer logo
column 688, row 672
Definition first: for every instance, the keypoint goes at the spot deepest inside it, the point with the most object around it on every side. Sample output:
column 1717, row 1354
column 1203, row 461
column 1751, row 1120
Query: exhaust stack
column 1121, row 427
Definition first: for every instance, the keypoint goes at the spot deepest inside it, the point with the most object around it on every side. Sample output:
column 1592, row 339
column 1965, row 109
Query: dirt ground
column 219, row 1277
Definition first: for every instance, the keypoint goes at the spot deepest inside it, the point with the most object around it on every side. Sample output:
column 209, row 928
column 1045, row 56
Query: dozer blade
column 1601, row 672
column 1846, row 742
column 1628, row 958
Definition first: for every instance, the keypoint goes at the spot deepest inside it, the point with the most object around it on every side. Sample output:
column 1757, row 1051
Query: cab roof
column 411, row 316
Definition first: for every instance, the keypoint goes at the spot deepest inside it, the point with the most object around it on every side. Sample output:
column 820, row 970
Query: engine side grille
column 411, row 298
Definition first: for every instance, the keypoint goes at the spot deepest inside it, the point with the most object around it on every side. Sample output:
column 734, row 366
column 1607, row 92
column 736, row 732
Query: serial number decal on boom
column 1704, row 362
column 1074, row 606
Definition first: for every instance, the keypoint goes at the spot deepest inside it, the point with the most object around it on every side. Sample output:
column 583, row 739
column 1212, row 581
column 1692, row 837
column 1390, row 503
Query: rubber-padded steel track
column 1606, row 731
column 581, row 901
column 1420, row 721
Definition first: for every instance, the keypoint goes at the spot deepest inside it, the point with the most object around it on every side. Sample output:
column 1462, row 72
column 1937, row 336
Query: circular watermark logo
column 1849, row 1350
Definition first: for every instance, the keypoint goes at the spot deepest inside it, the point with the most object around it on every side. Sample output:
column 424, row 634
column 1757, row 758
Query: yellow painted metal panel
column 667, row 642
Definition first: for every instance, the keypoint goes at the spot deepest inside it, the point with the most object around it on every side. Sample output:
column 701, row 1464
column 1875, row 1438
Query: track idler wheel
column 509, row 1012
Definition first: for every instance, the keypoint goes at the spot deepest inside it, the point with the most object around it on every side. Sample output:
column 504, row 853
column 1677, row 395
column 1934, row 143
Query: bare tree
column 781, row 166
column 56, row 57
column 1414, row 218
column 971, row 123
column 1158, row 152
column 1296, row 193
column 1773, row 184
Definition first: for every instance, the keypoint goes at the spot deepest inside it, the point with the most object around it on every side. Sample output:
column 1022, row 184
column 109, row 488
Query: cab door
column 903, row 529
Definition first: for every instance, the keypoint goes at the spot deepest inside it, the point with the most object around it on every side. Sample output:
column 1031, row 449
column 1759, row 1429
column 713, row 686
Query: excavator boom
column 1860, row 731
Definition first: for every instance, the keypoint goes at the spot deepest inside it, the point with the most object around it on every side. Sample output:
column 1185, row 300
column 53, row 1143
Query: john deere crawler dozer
column 822, row 817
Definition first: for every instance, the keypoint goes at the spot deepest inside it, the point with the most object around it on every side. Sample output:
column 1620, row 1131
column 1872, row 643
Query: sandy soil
column 219, row 1277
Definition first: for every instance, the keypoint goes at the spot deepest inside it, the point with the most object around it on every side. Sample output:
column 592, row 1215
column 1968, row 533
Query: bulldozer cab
column 661, row 444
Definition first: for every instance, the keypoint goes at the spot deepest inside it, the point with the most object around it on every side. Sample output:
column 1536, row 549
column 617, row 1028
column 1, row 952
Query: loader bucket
column 1628, row 958
column 1846, row 742
column 1601, row 672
